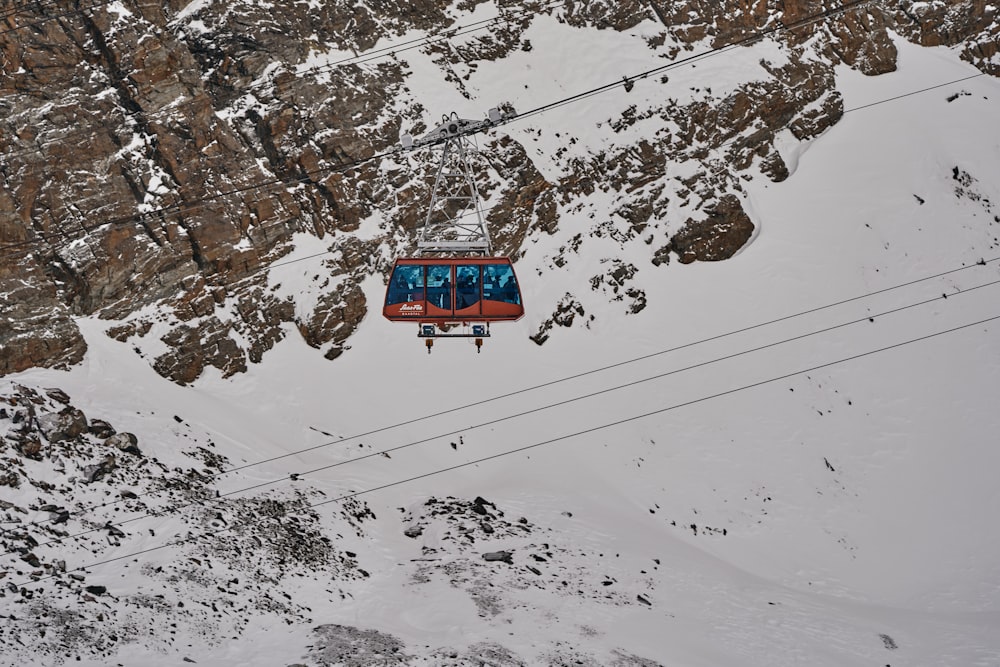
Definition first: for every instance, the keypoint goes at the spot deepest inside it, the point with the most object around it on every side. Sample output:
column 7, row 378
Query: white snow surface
column 858, row 499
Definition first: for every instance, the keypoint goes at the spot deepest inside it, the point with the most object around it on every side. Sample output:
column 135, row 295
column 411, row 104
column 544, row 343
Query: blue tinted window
column 406, row 284
column 467, row 284
column 439, row 286
column 499, row 284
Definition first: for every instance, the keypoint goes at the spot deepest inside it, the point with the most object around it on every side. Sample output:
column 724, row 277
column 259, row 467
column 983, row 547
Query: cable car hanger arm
column 452, row 126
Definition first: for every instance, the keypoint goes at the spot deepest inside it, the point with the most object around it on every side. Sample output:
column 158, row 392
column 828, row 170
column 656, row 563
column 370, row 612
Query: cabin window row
column 452, row 287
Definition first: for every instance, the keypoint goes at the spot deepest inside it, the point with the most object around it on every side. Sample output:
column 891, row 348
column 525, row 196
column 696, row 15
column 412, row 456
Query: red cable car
column 454, row 290
column 468, row 287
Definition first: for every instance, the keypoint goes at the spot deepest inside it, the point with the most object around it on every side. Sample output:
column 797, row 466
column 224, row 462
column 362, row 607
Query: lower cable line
column 608, row 390
column 568, row 378
column 292, row 476
column 652, row 413
column 594, row 429
column 601, row 369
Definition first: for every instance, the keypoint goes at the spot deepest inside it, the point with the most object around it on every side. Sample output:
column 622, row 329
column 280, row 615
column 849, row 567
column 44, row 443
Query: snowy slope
column 840, row 516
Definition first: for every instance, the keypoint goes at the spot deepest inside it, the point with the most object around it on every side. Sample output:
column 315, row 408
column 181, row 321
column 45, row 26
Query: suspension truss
column 454, row 223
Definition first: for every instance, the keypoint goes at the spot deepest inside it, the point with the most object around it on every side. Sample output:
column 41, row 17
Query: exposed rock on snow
column 126, row 442
column 70, row 500
column 723, row 232
column 501, row 556
column 353, row 647
column 567, row 310
column 63, row 425
column 452, row 544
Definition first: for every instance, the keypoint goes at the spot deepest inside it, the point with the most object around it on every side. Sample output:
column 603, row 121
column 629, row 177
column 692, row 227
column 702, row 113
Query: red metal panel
column 501, row 310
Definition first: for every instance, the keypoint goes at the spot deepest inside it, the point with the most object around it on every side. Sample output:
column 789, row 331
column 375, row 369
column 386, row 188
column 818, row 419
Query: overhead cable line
column 595, row 429
column 47, row 19
column 450, row 32
column 198, row 203
column 38, row 7
column 307, row 176
column 443, row 36
column 723, row 144
column 384, row 452
column 914, row 92
column 746, row 41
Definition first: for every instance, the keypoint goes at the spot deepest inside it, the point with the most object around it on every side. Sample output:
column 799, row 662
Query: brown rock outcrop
column 36, row 328
column 718, row 236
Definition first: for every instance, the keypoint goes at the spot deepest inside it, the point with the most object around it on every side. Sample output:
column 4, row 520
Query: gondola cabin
column 440, row 291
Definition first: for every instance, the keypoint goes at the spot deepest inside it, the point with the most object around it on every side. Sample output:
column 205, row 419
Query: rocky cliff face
column 159, row 160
